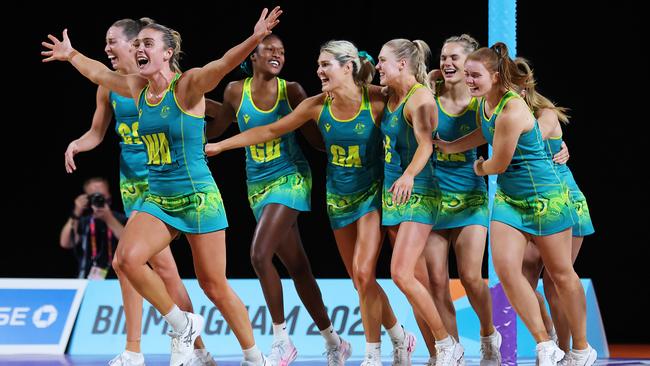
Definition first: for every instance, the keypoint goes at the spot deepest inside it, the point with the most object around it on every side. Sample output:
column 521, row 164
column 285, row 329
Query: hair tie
column 365, row 55
column 246, row 68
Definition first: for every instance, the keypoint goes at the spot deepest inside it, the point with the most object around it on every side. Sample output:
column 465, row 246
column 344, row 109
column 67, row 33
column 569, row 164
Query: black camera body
column 96, row 199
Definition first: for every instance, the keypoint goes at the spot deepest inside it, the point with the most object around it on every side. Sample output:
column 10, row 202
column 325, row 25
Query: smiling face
column 269, row 56
column 119, row 49
column 388, row 66
column 331, row 73
column 478, row 79
column 151, row 52
column 452, row 61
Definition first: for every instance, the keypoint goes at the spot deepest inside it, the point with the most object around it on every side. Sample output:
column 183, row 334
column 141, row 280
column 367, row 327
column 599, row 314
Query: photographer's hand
column 80, row 203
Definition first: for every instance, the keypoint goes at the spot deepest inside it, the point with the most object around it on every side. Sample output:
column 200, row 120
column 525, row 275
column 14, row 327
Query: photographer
column 93, row 229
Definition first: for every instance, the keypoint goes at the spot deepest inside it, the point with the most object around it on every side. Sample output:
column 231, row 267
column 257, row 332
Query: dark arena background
column 586, row 57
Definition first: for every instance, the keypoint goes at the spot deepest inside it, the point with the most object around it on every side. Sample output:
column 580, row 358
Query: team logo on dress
column 246, row 118
column 393, row 121
column 464, row 129
column 114, row 105
column 359, row 128
column 164, row 112
column 491, row 129
column 327, row 127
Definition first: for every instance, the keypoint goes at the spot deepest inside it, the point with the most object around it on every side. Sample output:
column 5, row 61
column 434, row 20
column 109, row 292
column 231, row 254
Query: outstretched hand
column 70, row 152
column 267, row 22
column 59, row 50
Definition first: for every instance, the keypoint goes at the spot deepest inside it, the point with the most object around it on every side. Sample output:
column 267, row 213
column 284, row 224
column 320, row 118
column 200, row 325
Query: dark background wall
column 586, row 59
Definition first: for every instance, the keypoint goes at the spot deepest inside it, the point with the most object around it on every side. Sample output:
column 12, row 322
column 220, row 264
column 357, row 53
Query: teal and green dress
column 399, row 148
column 276, row 170
column 354, row 167
column 581, row 217
column 464, row 194
column 133, row 157
column 531, row 195
column 182, row 192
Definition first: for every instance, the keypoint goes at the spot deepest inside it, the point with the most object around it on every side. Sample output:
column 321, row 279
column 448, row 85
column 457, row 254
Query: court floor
column 163, row 360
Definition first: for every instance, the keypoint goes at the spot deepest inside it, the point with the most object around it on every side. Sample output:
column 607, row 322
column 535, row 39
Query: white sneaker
column 201, row 359
column 183, row 342
column 263, row 362
column 402, row 350
column 283, row 352
column 491, row 349
column 453, row 355
column 371, row 359
column 582, row 358
column 565, row 360
column 126, row 359
column 336, row 356
column 548, row 354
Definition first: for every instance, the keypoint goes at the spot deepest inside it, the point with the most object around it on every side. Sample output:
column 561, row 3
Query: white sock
column 253, row 355
column 177, row 319
column 136, row 356
column 552, row 333
column 489, row 337
column 331, row 337
column 280, row 331
column 201, row 352
column 445, row 342
column 581, row 351
column 549, row 343
column 373, row 349
column 396, row 333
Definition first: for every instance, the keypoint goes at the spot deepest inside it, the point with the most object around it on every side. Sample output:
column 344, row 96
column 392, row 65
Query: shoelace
column 177, row 340
column 277, row 349
column 333, row 354
column 397, row 354
column 487, row 350
column 548, row 353
column 369, row 360
column 443, row 355
column 119, row 358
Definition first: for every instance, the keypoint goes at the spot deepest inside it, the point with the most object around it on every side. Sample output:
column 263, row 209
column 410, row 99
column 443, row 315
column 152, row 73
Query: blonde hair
column 469, row 43
column 416, row 53
column 535, row 100
column 171, row 39
column 345, row 51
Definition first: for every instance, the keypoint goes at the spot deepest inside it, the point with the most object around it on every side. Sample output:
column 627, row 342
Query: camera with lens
column 96, row 199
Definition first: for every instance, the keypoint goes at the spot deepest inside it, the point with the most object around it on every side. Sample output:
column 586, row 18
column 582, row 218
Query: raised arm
column 514, row 120
column 93, row 70
column 309, row 130
column 201, row 80
column 307, row 110
column 421, row 110
column 96, row 133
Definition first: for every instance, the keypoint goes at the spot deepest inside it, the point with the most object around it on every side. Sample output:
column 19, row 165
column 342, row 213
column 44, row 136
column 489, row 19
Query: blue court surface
column 162, row 360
